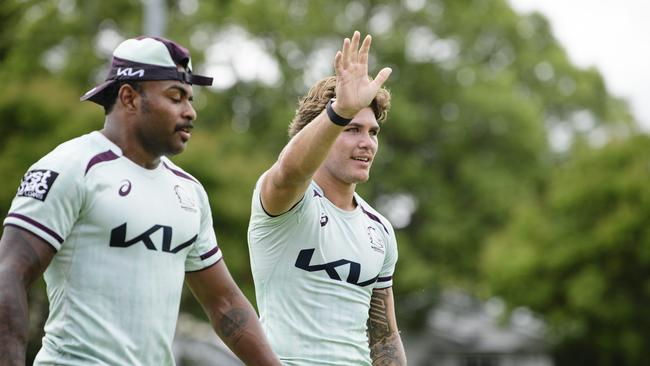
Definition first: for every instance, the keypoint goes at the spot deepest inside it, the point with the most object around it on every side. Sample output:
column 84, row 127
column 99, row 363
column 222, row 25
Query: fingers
column 351, row 52
column 381, row 77
column 354, row 86
column 354, row 47
column 345, row 53
column 365, row 50
column 338, row 62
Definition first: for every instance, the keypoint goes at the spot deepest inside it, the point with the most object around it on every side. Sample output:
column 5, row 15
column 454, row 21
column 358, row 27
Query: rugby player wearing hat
column 116, row 228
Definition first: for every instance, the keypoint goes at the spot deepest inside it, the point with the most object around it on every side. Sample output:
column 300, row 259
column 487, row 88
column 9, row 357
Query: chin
column 359, row 179
column 175, row 150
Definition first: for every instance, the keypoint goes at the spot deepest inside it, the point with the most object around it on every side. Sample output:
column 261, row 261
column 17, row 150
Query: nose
column 189, row 113
column 367, row 141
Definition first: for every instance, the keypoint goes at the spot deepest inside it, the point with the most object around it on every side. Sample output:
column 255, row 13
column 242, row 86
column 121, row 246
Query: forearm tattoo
column 233, row 323
column 388, row 355
column 378, row 326
column 385, row 344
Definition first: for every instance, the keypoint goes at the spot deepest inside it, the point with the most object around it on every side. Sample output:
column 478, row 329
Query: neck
column 341, row 194
column 125, row 139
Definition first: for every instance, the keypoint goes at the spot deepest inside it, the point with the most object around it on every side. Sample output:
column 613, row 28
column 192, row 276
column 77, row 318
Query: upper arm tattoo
column 385, row 344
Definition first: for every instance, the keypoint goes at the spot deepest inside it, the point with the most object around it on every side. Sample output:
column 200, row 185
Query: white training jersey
column 124, row 237
column 314, row 269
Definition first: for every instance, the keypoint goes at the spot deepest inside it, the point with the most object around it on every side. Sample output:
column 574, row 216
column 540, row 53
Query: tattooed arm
column 231, row 314
column 386, row 347
column 23, row 258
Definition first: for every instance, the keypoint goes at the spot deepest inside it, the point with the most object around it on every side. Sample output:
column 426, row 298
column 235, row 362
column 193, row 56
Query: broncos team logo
column 187, row 203
column 376, row 242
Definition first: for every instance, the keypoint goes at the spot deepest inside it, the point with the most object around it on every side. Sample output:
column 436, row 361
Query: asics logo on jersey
column 118, row 239
column 37, row 183
column 323, row 219
column 125, row 188
column 304, row 262
column 127, row 71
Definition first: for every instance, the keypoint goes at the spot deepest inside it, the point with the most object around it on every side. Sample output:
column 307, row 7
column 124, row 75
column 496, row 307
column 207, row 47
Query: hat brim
column 97, row 94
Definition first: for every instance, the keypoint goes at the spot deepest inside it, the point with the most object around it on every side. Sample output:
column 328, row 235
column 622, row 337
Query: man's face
column 352, row 154
column 165, row 116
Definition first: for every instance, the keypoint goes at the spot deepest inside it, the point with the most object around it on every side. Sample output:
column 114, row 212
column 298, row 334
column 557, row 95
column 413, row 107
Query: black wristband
column 335, row 118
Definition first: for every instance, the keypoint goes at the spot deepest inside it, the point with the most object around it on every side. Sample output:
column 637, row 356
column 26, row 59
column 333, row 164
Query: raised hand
column 354, row 88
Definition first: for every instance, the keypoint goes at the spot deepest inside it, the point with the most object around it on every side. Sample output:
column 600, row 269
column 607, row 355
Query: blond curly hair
column 314, row 102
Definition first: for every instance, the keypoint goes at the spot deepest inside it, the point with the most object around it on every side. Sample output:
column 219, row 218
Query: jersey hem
column 287, row 211
column 210, row 253
column 204, row 268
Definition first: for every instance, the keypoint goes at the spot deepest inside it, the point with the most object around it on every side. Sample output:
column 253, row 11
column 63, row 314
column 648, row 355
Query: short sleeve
column 205, row 251
column 261, row 220
column 385, row 278
column 269, row 236
column 49, row 199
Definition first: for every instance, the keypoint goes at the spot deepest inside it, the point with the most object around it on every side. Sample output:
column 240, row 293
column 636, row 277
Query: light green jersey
column 314, row 269
column 124, row 237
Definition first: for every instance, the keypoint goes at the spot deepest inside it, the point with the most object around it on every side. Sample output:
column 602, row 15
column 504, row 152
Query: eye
column 352, row 129
column 374, row 132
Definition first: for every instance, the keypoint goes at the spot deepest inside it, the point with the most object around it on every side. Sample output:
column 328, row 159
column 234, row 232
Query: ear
column 128, row 97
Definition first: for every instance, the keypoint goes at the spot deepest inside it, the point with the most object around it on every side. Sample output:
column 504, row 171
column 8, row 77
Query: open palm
column 355, row 90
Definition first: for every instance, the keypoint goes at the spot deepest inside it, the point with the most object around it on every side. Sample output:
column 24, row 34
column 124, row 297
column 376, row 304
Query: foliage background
column 506, row 170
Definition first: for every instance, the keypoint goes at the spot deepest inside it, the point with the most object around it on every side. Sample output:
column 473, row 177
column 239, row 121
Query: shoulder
column 374, row 215
column 73, row 157
column 314, row 191
column 259, row 213
column 53, row 190
column 188, row 181
column 178, row 171
column 181, row 174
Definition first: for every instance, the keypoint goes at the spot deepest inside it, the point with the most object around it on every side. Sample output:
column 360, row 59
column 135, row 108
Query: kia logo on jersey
column 304, row 262
column 118, row 239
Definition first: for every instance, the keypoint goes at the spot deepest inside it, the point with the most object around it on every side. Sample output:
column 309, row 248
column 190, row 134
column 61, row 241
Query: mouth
column 185, row 131
column 365, row 160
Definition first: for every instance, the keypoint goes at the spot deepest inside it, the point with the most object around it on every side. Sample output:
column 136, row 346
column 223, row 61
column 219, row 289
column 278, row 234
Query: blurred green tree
column 579, row 253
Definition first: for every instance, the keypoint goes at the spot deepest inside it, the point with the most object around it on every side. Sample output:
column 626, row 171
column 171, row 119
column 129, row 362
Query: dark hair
column 312, row 104
column 110, row 94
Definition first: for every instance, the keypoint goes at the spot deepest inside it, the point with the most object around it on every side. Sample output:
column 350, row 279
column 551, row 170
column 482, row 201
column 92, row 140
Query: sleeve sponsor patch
column 37, row 183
